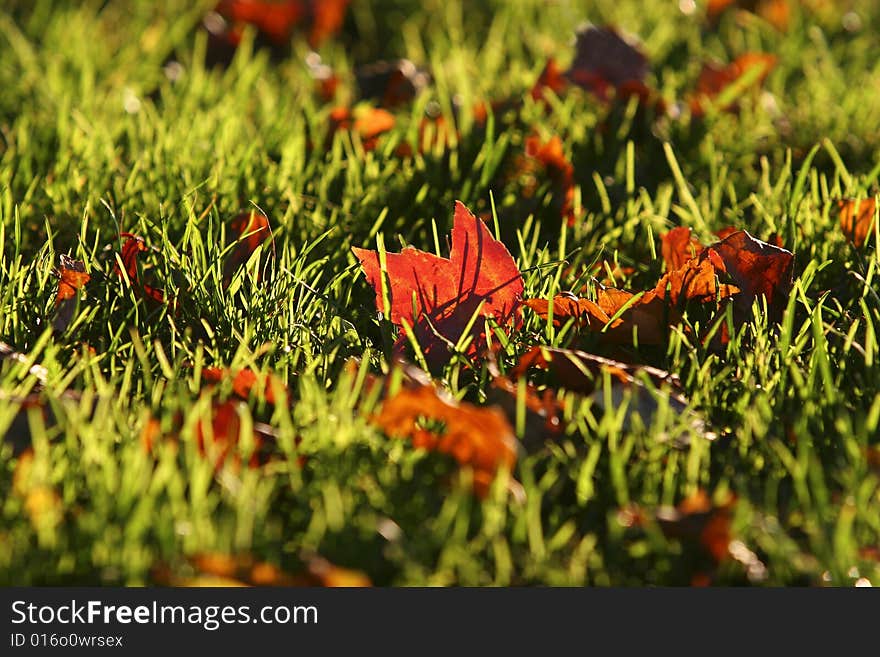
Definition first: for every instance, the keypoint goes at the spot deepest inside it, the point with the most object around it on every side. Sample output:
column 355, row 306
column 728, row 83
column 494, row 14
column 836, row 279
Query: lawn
column 202, row 382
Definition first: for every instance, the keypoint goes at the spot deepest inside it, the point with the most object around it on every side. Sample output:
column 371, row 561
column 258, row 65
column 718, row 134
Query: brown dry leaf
column 857, row 219
column 578, row 371
column 478, row 437
column 698, row 520
column 757, row 269
column 648, row 317
column 696, row 280
column 678, row 246
column 248, row 231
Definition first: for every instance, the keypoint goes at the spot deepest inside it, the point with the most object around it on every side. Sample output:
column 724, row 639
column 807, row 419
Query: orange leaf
column 551, row 156
column 72, row 277
column 857, row 219
column 131, row 249
column 244, row 381
column 551, row 78
column 274, row 19
column 775, row 12
column 249, row 230
column 219, row 436
column 327, row 18
column 438, row 296
column 368, row 122
column 220, row 569
column 715, row 78
column 647, row 315
column 678, row 246
column 473, row 436
column 698, row 520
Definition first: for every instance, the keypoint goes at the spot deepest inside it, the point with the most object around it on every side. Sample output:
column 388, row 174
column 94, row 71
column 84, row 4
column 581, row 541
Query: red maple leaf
column 437, row 297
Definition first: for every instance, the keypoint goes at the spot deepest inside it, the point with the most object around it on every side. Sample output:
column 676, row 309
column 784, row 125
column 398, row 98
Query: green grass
column 95, row 139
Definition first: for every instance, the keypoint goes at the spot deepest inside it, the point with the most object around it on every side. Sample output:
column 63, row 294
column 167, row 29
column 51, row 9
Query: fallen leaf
column 474, row 436
column 131, row 249
column 369, row 123
column 248, row 230
column 717, row 79
column 274, row 19
column 606, row 60
column 757, row 269
column 391, row 83
column 678, row 246
column 219, row 435
column 327, row 19
column 700, row 521
column 552, row 78
column 581, row 372
column 577, row 371
column 437, row 297
column 857, row 219
column 72, row 278
column 210, row 569
column 549, row 154
column 245, row 380
column 649, row 316
column 775, row 12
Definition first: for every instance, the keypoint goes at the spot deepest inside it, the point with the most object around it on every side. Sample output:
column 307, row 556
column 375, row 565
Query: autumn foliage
column 480, row 438
column 436, row 298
